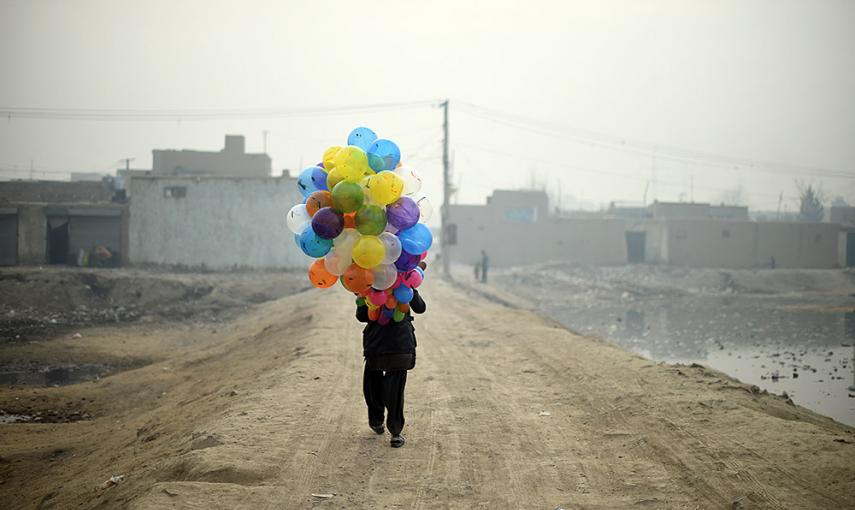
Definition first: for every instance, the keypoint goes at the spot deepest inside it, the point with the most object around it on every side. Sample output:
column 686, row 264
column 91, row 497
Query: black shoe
column 397, row 441
column 378, row 429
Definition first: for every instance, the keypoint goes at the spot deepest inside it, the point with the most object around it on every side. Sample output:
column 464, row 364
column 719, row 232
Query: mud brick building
column 515, row 227
column 52, row 222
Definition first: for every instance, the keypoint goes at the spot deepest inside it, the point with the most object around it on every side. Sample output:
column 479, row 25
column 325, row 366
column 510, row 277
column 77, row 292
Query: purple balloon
column 327, row 223
column 407, row 261
column 403, row 214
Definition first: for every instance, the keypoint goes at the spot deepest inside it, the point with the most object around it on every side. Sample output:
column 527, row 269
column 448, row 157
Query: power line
column 201, row 114
column 647, row 149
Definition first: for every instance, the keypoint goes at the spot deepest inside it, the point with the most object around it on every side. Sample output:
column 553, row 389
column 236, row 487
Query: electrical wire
column 646, row 149
column 197, row 115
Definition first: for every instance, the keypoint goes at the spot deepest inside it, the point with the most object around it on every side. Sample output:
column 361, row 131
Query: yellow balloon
column 368, row 252
column 329, row 155
column 334, row 177
column 352, row 162
column 385, row 187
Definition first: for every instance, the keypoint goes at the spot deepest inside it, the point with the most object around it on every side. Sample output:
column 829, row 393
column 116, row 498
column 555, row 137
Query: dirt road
column 504, row 410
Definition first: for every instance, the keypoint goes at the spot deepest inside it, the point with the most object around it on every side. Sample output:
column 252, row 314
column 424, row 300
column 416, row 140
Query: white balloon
column 385, row 275
column 412, row 179
column 425, row 208
column 336, row 263
column 298, row 219
column 343, row 244
column 392, row 245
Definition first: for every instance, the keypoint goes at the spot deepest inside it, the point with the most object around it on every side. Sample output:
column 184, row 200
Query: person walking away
column 485, row 263
column 390, row 351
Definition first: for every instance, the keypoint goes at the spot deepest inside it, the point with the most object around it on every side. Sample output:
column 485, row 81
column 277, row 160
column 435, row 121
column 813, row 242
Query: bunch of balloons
column 363, row 221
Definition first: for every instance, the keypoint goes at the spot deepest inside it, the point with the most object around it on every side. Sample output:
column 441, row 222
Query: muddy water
column 800, row 344
column 49, row 375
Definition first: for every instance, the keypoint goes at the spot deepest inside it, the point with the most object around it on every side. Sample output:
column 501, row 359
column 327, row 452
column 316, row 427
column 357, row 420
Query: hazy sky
column 769, row 81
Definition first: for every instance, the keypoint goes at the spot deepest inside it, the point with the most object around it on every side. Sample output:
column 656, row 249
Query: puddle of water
column 6, row 419
column 771, row 342
column 52, row 376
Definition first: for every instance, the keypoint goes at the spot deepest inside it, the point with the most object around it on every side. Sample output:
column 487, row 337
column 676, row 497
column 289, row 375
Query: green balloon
column 398, row 316
column 370, row 220
column 347, row 197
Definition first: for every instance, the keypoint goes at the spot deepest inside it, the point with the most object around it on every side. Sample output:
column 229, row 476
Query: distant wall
column 510, row 241
column 744, row 244
column 231, row 161
column 220, row 222
column 32, row 235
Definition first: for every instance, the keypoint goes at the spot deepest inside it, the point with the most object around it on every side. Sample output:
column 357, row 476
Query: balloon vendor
column 362, row 220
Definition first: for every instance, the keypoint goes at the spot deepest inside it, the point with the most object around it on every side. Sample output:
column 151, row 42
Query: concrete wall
column 221, row 222
column 802, row 245
column 32, row 235
column 708, row 243
column 509, row 242
column 231, row 161
column 744, row 244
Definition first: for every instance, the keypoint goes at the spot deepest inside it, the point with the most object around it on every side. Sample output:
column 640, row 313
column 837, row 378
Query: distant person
column 485, row 264
column 772, row 263
column 389, row 350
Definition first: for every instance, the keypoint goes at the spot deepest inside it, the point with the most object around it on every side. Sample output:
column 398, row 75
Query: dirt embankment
column 45, row 301
column 505, row 410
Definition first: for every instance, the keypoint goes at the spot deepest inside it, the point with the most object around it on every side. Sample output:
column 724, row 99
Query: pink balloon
column 377, row 297
column 412, row 278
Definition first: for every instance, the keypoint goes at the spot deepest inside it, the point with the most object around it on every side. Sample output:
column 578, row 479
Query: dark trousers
column 385, row 390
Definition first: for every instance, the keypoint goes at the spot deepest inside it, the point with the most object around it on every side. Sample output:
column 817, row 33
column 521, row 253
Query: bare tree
column 811, row 208
column 733, row 196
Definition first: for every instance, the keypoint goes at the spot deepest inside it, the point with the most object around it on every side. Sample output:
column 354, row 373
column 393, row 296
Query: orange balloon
column 374, row 313
column 349, row 219
column 404, row 307
column 319, row 276
column 317, row 201
column 357, row 279
column 391, row 302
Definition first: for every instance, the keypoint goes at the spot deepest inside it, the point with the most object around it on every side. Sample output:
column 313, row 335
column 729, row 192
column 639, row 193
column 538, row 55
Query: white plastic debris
column 545, row 413
column 113, row 480
column 322, row 496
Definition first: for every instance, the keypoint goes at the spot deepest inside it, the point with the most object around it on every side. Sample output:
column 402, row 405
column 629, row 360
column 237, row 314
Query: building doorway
column 8, row 239
column 850, row 249
column 57, row 241
column 635, row 247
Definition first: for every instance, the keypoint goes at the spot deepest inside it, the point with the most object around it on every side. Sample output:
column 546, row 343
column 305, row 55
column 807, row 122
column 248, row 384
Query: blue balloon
column 362, row 137
column 383, row 155
column 416, row 239
column 305, row 182
column 319, row 178
column 421, row 272
column 312, row 245
column 403, row 294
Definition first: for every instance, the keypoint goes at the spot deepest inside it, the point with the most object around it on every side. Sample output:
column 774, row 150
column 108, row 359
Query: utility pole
column 446, row 191
column 780, row 199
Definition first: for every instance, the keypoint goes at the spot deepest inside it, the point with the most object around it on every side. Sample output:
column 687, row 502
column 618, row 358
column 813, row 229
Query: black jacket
column 394, row 337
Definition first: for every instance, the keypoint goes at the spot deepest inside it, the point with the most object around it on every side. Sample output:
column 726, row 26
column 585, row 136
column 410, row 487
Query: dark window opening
column 175, row 192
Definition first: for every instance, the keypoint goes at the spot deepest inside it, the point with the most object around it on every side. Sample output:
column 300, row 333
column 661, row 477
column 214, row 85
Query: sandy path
column 504, row 410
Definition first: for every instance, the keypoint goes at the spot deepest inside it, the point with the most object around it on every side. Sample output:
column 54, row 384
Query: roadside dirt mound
column 38, row 302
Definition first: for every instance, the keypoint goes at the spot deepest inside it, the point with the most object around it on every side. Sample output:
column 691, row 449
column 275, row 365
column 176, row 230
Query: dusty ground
column 505, row 410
